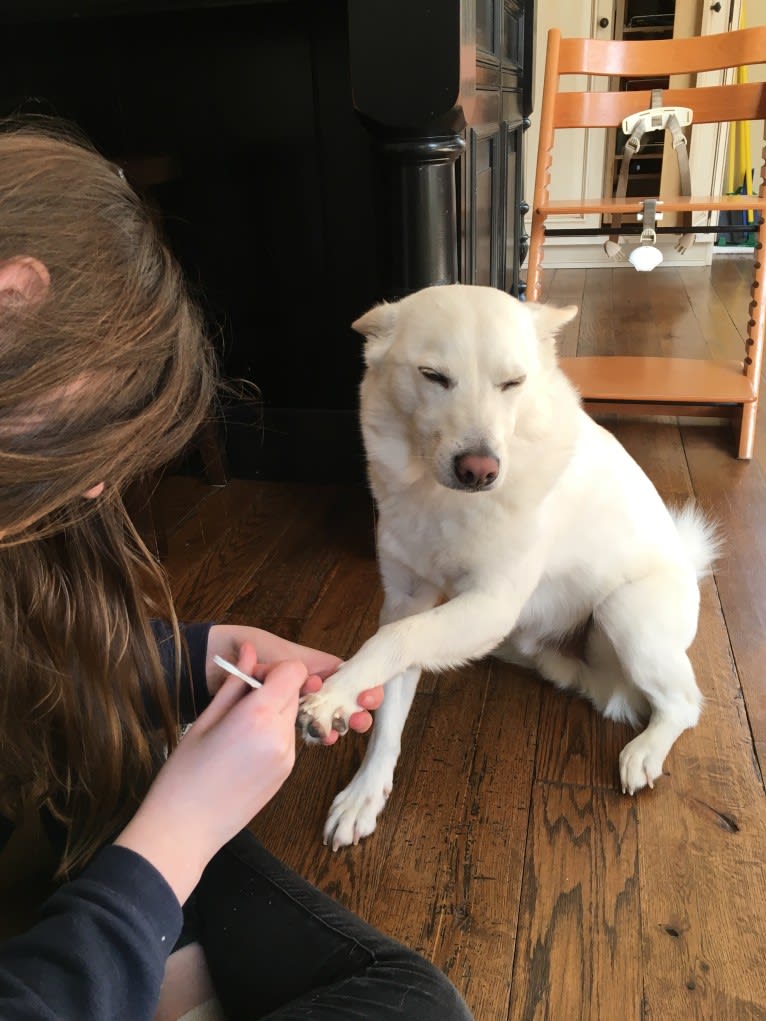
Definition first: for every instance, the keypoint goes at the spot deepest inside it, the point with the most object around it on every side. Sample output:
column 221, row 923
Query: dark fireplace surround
column 306, row 160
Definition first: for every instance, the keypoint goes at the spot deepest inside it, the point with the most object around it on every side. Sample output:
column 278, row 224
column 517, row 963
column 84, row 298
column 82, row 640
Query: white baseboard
column 719, row 250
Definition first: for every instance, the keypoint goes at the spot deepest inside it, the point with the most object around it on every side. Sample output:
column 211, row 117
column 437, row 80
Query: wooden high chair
column 674, row 386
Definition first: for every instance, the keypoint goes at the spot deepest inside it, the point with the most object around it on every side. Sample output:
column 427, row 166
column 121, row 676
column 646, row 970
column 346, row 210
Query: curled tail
column 700, row 536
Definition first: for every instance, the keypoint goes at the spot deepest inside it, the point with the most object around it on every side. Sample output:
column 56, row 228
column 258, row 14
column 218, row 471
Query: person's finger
column 247, row 659
column 372, row 698
column 229, row 692
column 322, row 673
column 282, row 683
column 327, row 670
column 360, row 722
column 313, row 683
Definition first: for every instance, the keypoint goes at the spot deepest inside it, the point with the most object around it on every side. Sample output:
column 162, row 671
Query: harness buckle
column 633, row 144
column 656, row 118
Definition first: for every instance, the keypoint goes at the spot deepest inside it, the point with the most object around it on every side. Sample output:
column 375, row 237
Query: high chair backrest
column 652, row 58
column 643, row 384
column 592, row 109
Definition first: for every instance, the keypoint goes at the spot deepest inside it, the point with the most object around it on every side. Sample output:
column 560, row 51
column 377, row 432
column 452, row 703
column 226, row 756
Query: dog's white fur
column 570, row 531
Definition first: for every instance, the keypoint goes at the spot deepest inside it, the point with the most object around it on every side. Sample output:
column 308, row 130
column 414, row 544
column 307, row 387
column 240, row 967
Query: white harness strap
column 656, row 118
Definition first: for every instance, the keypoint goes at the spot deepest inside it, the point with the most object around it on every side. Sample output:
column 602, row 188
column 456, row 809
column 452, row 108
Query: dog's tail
column 700, row 536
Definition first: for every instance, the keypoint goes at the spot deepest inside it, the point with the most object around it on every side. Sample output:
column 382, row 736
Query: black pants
column 278, row 948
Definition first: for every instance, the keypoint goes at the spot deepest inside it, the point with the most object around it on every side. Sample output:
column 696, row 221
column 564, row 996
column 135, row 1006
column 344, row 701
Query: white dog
column 507, row 520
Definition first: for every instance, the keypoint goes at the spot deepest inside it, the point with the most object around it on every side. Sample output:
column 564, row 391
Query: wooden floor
column 506, row 853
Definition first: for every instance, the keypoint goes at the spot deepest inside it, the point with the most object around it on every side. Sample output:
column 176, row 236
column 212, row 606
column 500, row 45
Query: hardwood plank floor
column 506, row 853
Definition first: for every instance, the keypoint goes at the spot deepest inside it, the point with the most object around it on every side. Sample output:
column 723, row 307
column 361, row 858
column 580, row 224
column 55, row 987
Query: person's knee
column 446, row 996
column 426, row 985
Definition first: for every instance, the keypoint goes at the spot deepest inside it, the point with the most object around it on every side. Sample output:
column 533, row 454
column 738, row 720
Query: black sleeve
column 6, row 829
column 98, row 952
column 194, row 696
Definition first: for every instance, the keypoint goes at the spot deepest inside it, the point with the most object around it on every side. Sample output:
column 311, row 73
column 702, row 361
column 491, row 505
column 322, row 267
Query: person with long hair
column 106, row 373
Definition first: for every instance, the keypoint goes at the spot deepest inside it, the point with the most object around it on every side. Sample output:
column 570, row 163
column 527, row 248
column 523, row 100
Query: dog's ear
column 377, row 326
column 547, row 321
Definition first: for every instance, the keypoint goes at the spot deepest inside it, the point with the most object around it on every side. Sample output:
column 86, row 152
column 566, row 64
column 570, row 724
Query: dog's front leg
column 354, row 812
column 465, row 628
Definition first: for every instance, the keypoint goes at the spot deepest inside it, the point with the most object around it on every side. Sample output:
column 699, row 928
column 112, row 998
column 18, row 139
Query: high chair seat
column 623, row 378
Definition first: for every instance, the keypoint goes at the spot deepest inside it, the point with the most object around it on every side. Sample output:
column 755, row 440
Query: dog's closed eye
column 434, row 376
column 510, row 383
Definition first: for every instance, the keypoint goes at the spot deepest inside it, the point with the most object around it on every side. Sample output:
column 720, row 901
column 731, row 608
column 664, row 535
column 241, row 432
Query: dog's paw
column 354, row 812
column 327, row 709
column 640, row 763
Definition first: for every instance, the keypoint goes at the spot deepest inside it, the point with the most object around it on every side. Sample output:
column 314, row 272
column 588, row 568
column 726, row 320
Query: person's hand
column 231, row 762
column 226, row 639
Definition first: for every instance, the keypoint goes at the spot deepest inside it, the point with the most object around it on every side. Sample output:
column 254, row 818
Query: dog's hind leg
column 650, row 624
column 509, row 652
column 598, row 676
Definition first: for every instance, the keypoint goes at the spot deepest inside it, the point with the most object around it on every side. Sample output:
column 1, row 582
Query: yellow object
column 739, row 166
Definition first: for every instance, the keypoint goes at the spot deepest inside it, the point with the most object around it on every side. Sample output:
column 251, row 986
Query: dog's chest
column 444, row 544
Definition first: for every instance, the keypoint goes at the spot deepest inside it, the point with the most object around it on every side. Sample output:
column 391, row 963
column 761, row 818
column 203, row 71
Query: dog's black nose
column 476, row 471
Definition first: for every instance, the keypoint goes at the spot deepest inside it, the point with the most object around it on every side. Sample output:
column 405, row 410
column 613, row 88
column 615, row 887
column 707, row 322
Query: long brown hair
column 106, row 377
